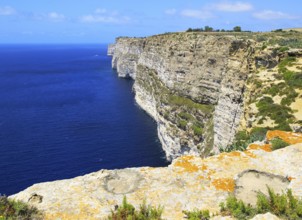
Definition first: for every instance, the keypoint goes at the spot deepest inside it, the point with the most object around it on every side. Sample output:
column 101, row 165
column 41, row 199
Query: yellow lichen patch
column 265, row 147
column 289, row 137
column 184, row 162
column 204, row 167
column 225, row 184
column 250, row 154
column 230, row 154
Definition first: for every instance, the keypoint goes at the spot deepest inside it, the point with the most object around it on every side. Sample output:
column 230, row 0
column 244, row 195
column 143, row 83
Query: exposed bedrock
column 191, row 84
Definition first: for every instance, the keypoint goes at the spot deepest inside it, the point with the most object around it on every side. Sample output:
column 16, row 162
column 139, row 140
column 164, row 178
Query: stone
column 189, row 183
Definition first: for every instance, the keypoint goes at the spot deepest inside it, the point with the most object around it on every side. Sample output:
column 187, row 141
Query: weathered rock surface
column 206, row 69
column 189, row 182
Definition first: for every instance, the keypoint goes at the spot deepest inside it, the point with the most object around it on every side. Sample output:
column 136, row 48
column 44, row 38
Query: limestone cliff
column 191, row 84
column 197, row 86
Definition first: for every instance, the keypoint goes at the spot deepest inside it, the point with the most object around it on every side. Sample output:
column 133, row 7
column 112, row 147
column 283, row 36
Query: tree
column 237, row 29
column 208, row 29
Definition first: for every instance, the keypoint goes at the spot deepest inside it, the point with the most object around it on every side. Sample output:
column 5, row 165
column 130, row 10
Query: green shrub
column 185, row 116
column 278, row 143
column 127, row 211
column 197, row 215
column 197, row 130
column 243, row 139
column 11, row 209
column 283, row 49
column 182, row 124
column 279, row 113
column 258, row 134
column 285, row 206
column 237, row 208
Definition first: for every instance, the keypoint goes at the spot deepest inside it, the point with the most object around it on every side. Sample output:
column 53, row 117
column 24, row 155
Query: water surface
column 64, row 112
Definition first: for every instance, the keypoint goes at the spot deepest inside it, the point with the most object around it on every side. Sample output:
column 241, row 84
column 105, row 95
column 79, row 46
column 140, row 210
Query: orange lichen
column 184, row 162
column 289, row 137
column 204, row 167
column 230, row 154
column 225, row 184
column 250, row 154
column 290, row 178
column 265, row 147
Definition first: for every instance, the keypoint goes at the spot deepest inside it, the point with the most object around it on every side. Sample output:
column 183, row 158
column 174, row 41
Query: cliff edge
column 203, row 88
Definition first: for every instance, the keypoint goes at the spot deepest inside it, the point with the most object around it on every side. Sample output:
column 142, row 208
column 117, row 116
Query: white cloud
column 200, row 14
column 100, row 11
column 54, row 16
column 273, row 15
column 104, row 16
column 171, row 11
column 7, row 10
column 232, row 7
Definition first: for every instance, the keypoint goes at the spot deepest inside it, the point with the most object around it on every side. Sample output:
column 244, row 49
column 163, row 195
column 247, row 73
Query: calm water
column 64, row 112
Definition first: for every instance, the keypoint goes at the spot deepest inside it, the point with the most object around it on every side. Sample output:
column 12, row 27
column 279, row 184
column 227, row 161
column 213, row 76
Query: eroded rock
column 251, row 182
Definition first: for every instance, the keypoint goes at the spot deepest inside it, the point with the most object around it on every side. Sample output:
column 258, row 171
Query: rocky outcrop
column 205, row 70
column 188, row 183
column 111, row 48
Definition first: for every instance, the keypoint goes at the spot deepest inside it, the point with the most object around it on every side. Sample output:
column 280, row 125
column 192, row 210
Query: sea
column 64, row 112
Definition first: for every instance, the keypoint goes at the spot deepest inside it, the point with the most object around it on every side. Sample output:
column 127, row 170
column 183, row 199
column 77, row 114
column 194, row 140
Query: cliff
column 188, row 183
column 198, row 87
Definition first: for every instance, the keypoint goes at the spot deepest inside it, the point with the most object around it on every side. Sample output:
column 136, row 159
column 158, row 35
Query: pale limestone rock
column 267, row 216
column 208, row 69
column 188, row 183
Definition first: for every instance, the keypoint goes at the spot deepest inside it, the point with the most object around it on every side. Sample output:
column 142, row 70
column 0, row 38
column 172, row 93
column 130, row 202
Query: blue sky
column 100, row 21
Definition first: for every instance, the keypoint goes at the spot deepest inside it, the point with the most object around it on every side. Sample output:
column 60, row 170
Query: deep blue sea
column 64, row 113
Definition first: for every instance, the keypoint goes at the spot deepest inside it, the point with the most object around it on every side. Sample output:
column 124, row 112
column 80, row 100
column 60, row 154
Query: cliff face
column 191, row 84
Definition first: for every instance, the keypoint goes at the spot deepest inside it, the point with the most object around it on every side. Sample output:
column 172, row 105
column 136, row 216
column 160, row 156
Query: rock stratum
column 203, row 88
column 189, row 183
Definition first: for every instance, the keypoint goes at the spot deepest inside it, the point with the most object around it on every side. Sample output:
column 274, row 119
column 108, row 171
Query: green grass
column 11, row 209
column 182, row 124
column 278, row 143
column 197, row 214
column 198, row 131
column 285, row 205
column 182, row 101
column 185, row 116
column 127, row 212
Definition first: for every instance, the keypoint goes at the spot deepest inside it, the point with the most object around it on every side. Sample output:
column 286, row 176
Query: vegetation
column 10, row 209
column 210, row 29
column 281, row 114
column 285, row 206
column 197, row 130
column 197, row 214
column 244, row 138
column 127, row 211
column 237, row 29
column 278, row 143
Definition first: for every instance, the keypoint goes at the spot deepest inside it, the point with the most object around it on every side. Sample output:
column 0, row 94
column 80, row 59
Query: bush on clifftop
column 127, row 211
column 10, row 209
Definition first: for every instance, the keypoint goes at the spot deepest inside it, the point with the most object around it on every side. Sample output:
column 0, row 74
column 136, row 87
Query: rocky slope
column 188, row 183
column 200, row 88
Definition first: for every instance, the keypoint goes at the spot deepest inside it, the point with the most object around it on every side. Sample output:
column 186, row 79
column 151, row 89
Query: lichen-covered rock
column 188, row 183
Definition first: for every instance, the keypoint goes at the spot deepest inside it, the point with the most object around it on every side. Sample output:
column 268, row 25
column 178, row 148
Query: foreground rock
column 189, row 182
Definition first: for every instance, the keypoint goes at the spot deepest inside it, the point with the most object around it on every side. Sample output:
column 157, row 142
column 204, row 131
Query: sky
column 101, row 21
